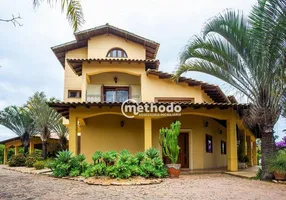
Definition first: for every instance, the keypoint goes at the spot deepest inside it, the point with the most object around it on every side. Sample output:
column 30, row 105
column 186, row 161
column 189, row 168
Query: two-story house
column 106, row 65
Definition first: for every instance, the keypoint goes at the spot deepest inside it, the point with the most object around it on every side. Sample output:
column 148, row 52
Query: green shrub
column 96, row 157
column 258, row 174
column 109, row 157
column 278, row 162
column 140, row 157
column 30, row 160
column 99, row 169
column 17, row 160
column 67, row 165
column 39, row 165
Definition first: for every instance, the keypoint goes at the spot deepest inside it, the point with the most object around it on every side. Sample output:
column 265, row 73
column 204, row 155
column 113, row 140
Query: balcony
column 111, row 98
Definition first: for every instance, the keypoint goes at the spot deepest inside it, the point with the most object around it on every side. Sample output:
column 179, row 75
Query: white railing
column 111, row 98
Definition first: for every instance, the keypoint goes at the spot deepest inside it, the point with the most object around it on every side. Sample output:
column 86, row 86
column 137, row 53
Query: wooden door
column 183, row 157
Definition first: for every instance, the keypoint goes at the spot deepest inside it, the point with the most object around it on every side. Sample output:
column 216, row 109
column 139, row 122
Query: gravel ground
column 15, row 185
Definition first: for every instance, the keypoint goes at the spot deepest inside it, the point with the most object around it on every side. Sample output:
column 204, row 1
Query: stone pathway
column 249, row 172
column 16, row 185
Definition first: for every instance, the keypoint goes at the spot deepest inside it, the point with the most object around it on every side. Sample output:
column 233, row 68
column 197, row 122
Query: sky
column 28, row 64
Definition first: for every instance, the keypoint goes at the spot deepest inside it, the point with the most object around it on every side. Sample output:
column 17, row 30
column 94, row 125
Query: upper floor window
column 74, row 94
column 116, row 94
column 116, row 53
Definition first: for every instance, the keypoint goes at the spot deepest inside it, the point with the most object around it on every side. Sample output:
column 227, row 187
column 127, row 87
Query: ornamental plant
column 281, row 144
column 278, row 162
column 168, row 139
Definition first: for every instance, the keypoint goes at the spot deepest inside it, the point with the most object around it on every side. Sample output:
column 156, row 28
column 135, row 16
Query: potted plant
column 277, row 165
column 169, row 141
column 242, row 162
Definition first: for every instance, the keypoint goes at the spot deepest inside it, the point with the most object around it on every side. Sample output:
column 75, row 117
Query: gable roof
column 213, row 91
column 83, row 36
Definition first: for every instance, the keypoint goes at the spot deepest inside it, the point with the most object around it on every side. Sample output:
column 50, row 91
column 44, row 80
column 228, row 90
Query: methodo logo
column 131, row 108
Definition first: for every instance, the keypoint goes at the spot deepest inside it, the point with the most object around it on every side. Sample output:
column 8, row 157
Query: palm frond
column 72, row 8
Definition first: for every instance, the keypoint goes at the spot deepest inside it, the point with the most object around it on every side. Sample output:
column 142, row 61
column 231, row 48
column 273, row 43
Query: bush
column 17, row 160
column 30, row 160
column 123, row 165
column 39, row 165
column 67, row 165
column 278, row 162
column 109, row 157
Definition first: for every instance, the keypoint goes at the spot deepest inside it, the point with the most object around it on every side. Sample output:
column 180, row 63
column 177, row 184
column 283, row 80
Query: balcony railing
column 111, row 98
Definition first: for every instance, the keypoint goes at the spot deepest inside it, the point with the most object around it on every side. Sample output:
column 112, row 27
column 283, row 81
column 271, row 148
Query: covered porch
column 35, row 143
column 103, row 127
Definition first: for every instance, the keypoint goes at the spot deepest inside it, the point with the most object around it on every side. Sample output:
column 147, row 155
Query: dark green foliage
column 39, row 165
column 17, row 160
column 152, row 153
column 277, row 163
column 97, row 169
column 258, row 174
column 67, row 165
column 96, row 157
column 30, row 160
column 109, row 157
column 140, row 156
column 123, row 165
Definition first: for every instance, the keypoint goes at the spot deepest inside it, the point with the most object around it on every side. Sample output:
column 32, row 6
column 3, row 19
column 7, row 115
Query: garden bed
column 106, row 181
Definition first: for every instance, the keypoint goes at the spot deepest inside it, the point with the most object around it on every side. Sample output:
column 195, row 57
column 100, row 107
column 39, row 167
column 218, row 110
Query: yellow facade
column 101, row 127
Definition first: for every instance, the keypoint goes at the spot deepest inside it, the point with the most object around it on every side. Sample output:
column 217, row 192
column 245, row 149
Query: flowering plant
column 281, row 144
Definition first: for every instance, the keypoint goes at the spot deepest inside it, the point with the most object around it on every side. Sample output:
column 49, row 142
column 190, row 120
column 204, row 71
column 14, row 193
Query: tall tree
column 45, row 118
column 62, row 131
column 249, row 54
column 19, row 120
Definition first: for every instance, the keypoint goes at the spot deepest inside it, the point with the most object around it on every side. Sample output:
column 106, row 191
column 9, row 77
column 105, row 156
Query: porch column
column 32, row 147
column 147, row 133
column 254, row 153
column 231, row 145
column 243, row 143
column 5, row 156
column 249, row 150
column 16, row 150
column 73, row 139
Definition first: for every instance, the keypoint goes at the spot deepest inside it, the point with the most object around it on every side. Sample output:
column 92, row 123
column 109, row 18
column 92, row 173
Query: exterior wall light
column 206, row 123
column 122, row 123
column 115, row 79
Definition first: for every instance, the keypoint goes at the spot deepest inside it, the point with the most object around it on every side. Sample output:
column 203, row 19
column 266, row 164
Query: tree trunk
column 63, row 143
column 45, row 137
column 44, row 149
column 26, row 142
column 267, row 150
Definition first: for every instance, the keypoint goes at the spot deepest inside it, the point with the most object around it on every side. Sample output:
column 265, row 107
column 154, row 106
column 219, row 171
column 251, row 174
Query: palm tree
column 18, row 120
column 249, row 54
column 45, row 118
column 72, row 8
column 62, row 132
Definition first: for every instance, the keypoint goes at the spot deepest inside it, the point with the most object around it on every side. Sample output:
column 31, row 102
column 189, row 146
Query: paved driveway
column 15, row 185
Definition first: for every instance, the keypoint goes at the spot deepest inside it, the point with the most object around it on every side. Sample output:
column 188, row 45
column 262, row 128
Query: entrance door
column 183, row 157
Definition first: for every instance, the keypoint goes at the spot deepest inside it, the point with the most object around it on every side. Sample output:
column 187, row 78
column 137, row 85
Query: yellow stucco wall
column 105, row 133
column 198, row 158
column 100, row 45
column 71, row 80
column 148, row 87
